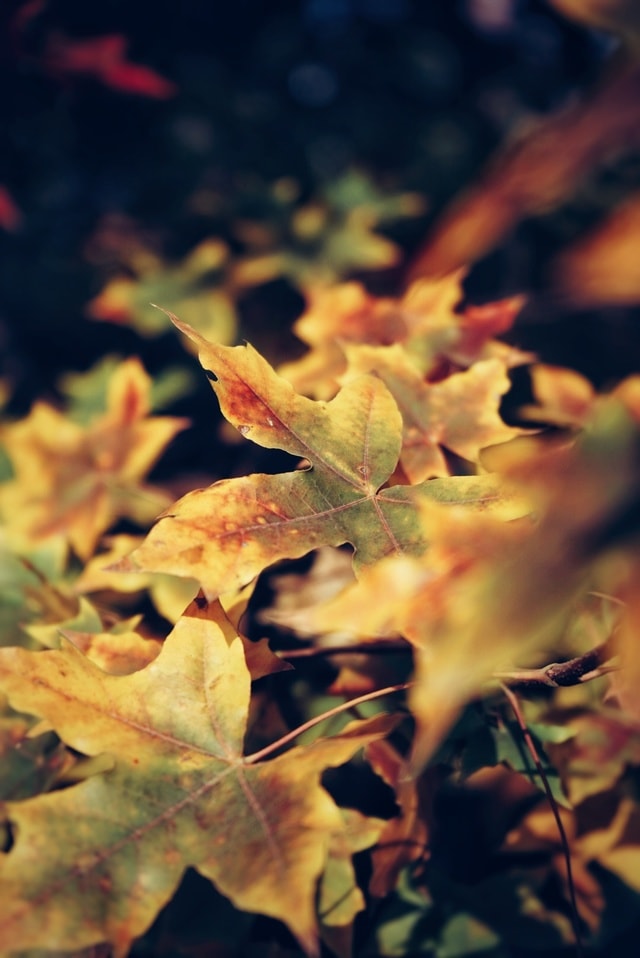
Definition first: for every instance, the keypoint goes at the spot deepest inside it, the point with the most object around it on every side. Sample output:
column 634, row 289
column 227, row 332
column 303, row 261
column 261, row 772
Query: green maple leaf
column 95, row 862
column 226, row 534
column 317, row 242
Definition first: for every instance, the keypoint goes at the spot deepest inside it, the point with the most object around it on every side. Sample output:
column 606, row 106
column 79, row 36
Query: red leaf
column 105, row 59
column 10, row 215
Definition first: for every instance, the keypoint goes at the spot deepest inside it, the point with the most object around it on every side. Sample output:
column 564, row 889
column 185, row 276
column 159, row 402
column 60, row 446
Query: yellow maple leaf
column 424, row 321
column 459, row 414
column 76, row 481
column 175, row 790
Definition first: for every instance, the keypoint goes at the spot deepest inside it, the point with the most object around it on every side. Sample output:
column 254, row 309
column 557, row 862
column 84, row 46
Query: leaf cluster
column 137, row 751
column 381, row 702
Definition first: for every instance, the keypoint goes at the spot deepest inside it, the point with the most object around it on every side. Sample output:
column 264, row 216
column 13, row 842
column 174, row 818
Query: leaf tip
column 125, row 564
column 182, row 326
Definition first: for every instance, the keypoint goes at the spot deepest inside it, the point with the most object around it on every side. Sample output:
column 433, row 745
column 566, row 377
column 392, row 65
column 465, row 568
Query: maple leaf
column 596, row 753
column 104, row 58
column 198, row 287
column 169, row 594
column 562, row 397
column 459, row 413
column 316, row 243
column 297, row 594
column 404, row 837
column 76, row 481
column 178, row 793
column 120, row 651
column 340, row 898
column 228, row 533
column 486, row 590
column 424, row 320
column 85, row 393
column 31, row 587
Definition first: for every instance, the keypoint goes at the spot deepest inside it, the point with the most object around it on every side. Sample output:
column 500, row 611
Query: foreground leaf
column 488, row 595
column 228, row 533
column 97, row 861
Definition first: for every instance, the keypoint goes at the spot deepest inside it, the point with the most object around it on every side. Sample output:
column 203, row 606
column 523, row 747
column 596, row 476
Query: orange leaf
column 535, row 173
column 424, row 320
column 602, row 267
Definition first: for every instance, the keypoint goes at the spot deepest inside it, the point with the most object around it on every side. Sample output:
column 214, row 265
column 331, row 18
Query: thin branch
column 343, row 707
column 583, row 668
column 590, row 665
column 526, row 734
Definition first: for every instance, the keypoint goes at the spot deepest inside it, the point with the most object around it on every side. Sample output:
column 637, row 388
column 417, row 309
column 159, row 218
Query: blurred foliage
column 269, row 172
column 415, row 95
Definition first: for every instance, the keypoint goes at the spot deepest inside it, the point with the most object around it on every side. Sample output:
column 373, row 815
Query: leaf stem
column 533, row 751
column 343, row 707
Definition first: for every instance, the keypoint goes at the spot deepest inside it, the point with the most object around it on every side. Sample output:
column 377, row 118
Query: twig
column 343, row 707
column 583, row 668
column 526, row 734
column 590, row 665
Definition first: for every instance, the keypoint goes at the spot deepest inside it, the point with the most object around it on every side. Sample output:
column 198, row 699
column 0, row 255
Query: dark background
column 417, row 94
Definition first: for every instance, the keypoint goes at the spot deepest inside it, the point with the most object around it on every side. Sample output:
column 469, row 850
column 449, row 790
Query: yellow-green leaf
column 228, row 533
column 96, row 861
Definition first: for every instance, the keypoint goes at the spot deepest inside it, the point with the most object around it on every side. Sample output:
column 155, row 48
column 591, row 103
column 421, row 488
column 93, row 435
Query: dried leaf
column 424, row 320
column 298, row 595
column 228, row 533
column 459, row 414
column 169, row 594
column 405, row 837
column 340, row 898
column 174, row 732
column 599, row 747
column 119, row 652
column 315, row 244
column 32, row 588
column 562, row 397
